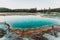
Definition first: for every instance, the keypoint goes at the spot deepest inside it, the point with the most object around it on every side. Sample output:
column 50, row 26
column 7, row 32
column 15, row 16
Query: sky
column 21, row 4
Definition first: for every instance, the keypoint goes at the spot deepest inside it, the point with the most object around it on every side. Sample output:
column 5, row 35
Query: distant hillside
column 50, row 10
column 55, row 10
column 18, row 10
column 32, row 10
column 4, row 9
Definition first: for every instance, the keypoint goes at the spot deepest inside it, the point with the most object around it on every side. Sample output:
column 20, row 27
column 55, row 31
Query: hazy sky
column 40, row 4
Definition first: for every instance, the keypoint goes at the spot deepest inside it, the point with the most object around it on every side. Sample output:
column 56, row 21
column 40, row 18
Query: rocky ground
column 30, row 34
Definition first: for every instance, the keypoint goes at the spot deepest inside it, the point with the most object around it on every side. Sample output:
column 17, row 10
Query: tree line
column 18, row 10
column 33, row 10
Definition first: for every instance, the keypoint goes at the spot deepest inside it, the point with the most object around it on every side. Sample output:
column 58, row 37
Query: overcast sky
column 40, row 4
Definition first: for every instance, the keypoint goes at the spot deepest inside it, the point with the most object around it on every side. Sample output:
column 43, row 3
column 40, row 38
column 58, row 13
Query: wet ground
column 45, row 35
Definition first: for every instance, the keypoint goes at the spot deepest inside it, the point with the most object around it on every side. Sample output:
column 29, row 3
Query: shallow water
column 28, row 21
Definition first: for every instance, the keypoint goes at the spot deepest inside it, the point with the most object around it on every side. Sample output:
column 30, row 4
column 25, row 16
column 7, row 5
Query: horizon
column 27, row 4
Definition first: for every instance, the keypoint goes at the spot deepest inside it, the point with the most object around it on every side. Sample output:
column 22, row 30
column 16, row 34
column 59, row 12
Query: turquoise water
column 28, row 21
